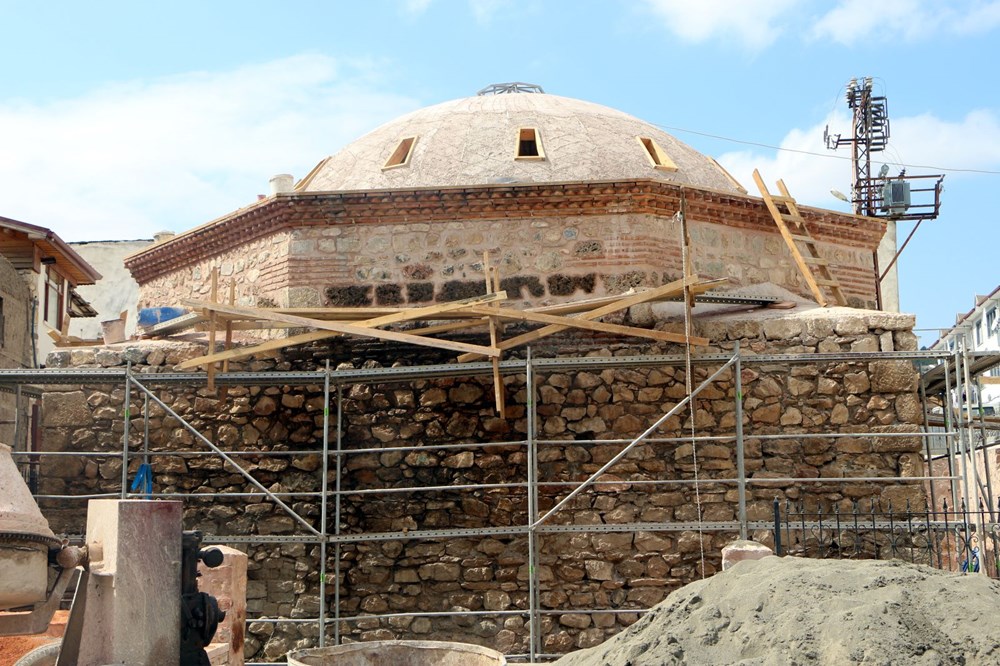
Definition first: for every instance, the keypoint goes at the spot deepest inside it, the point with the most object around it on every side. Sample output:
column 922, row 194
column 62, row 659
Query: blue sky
column 119, row 119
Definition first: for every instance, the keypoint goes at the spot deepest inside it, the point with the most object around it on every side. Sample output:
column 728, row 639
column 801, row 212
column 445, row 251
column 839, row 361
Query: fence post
column 777, row 527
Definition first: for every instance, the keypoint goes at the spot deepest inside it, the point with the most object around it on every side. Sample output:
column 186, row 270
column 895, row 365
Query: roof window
column 401, row 156
column 529, row 144
column 657, row 158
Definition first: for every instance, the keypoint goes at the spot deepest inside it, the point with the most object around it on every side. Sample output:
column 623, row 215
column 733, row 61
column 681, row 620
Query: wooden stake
column 498, row 388
column 212, row 321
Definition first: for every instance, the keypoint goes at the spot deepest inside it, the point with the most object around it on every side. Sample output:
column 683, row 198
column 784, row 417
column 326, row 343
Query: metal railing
column 953, row 539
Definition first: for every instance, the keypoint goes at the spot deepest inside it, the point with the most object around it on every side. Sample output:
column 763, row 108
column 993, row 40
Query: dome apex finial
column 512, row 87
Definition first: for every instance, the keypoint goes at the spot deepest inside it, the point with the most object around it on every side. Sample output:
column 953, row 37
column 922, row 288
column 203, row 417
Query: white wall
column 114, row 292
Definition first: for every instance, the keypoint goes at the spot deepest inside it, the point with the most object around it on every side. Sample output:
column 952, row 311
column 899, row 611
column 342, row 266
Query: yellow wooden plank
column 789, row 238
column 212, row 323
column 313, row 336
column 498, row 389
column 587, row 324
column 671, row 289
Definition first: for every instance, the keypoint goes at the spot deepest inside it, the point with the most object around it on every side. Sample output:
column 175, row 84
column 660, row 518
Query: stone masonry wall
column 544, row 258
column 540, row 259
column 584, row 418
column 259, row 268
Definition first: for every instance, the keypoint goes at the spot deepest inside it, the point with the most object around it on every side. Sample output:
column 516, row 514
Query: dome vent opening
column 401, row 156
column 529, row 144
column 656, row 155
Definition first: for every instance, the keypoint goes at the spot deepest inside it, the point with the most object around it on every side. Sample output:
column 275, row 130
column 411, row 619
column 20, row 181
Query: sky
column 121, row 119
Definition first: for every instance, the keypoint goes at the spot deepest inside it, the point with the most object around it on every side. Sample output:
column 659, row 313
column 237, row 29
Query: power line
column 815, row 154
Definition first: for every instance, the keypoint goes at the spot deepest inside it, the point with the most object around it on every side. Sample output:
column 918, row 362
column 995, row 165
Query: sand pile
column 785, row 611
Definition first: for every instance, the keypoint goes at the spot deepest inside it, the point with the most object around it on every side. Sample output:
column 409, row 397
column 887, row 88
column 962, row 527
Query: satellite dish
column 840, row 195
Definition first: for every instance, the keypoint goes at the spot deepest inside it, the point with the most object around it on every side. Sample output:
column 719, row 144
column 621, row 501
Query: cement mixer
column 136, row 602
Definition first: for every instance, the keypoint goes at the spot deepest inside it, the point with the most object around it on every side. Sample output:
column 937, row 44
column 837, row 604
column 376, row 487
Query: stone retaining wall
column 583, row 419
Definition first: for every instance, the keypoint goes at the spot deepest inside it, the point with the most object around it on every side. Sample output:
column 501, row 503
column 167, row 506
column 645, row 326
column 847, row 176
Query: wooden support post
column 498, row 389
column 688, row 269
column 212, row 321
column 229, row 341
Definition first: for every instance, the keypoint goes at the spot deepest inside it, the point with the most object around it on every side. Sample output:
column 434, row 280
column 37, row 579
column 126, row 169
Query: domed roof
column 513, row 138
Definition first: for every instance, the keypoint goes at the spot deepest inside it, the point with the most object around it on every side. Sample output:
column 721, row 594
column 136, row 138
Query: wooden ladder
column 815, row 269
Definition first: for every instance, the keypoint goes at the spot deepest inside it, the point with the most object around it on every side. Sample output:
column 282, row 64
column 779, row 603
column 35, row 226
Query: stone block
column 850, row 325
column 739, row 551
column 66, row 409
column 782, row 329
column 893, row 377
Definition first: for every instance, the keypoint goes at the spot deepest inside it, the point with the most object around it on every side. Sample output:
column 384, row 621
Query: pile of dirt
column 798, row 611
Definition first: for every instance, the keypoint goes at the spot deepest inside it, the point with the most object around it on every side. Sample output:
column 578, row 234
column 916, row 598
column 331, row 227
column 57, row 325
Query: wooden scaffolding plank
column 792, row 240
column 314, row 336
column 587, row 324
column 492, row 285
column 671, row 289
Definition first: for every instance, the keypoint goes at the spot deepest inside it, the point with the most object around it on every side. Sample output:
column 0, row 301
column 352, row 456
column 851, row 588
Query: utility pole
column 896, row 198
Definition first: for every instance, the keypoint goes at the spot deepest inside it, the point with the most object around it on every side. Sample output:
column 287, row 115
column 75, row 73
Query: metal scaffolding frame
column 536, row 525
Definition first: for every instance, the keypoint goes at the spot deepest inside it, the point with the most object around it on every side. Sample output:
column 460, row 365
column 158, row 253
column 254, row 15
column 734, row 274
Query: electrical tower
column 893, row 198
column 899, row 197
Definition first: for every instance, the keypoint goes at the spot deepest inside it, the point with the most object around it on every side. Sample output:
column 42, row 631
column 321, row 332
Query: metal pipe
column 323, row 503
column 534, row 625
column 128, row 422
column 927, row 441
column 466, row 486
column 436, row 447
column 974, row 502
column 741, row 473
column 986, row 461
column 950, row 438
column 257, row 484
column 145, row 430
column 336, row 519
column 17, row 419
column 727, row 438
column 621, row 454
column 960, row 395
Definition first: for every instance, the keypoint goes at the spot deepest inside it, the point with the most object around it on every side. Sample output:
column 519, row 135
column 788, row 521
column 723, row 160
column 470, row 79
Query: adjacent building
column 52, row 272
column 978, row 330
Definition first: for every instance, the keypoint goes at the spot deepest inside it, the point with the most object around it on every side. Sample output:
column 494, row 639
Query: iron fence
column 960, row 539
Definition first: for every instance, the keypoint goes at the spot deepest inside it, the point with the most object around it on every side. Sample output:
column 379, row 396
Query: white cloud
column 130, row 159
column 415, row 7
column 853, row 21
column 483, row 11
column 753, row 23
column 970, row 143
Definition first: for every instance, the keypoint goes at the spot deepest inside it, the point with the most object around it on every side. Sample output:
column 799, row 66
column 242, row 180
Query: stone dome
column 477, row 140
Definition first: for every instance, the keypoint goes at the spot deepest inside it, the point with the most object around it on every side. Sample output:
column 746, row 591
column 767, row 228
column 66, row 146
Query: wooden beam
column 670, row 289
column 314, row 336
column 212, row 322
column 576, row 322
column 491, row 286
column 229, row 324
